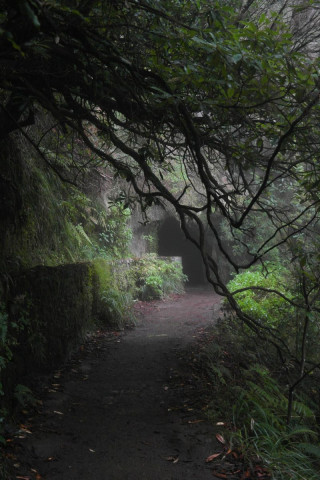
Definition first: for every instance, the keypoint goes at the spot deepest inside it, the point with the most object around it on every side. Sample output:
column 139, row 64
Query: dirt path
column 114, row 414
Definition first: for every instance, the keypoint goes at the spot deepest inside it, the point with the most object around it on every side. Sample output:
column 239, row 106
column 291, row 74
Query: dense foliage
column 223, row 95
column 267, row 307
column 223, row 89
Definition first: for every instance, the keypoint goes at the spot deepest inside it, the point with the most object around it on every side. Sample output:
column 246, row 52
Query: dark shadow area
column 172, row 242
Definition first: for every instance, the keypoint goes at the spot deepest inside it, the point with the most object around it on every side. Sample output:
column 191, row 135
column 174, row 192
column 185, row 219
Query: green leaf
column 236, row 57
column 260, row 143
column 230, row 92
column 25, row 7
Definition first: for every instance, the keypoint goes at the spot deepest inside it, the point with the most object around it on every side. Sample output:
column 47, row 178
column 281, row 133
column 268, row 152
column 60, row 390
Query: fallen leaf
column 220, row 438
column 10, row 455
column 195, row 421
column 219, row 475
column 57, row 412
column 92, row 451
column 172, row 458
column 262, row 473
column 24, row 429
column 212, row 457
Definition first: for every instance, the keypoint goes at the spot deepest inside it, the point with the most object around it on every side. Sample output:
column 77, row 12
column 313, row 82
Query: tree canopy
column 226, row 92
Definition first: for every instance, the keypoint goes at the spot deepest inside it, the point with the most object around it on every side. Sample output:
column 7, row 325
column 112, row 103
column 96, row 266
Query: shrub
column 266, row 307
column 156, row 277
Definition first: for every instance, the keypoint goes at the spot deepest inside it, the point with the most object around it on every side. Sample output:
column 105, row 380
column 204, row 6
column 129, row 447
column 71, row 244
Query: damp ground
column 125, row 406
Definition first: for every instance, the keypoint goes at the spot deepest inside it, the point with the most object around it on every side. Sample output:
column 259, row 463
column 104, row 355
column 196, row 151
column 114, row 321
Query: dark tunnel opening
column 172, row 243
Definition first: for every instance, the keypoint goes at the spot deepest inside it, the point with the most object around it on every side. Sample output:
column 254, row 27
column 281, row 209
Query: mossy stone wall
column 57, row 305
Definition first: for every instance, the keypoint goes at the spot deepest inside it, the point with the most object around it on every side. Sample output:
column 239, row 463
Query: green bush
column 155, row 277
column 266, row 307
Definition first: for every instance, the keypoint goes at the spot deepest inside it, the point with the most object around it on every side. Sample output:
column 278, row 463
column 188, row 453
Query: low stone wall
column 49, row 312
column 51, row 309
column 57, row 305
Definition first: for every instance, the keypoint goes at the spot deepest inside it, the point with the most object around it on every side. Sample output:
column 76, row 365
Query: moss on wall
column 58, row 304
column 114, row 292
column 55, row 307
column 44, row 221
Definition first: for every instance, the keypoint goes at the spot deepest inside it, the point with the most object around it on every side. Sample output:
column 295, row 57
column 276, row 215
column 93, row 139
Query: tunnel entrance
column 172, row 242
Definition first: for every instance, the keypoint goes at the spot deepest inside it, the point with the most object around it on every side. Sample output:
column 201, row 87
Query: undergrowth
column 248, row 395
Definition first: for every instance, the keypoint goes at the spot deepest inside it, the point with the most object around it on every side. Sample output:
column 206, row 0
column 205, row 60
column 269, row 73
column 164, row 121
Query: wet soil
column 122, row 409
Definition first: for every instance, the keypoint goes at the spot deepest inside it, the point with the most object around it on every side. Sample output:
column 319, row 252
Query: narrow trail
column 113, row 414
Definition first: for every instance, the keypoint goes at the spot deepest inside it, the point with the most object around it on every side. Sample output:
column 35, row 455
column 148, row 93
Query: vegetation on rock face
column 56, row 224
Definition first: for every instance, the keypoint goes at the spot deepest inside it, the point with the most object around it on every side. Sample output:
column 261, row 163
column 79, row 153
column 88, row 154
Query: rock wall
column 57, row 303
column 50, row 311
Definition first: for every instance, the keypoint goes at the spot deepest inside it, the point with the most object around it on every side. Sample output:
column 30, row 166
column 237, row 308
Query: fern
column 302, row 410
column 82, row 233
column 261, row 410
